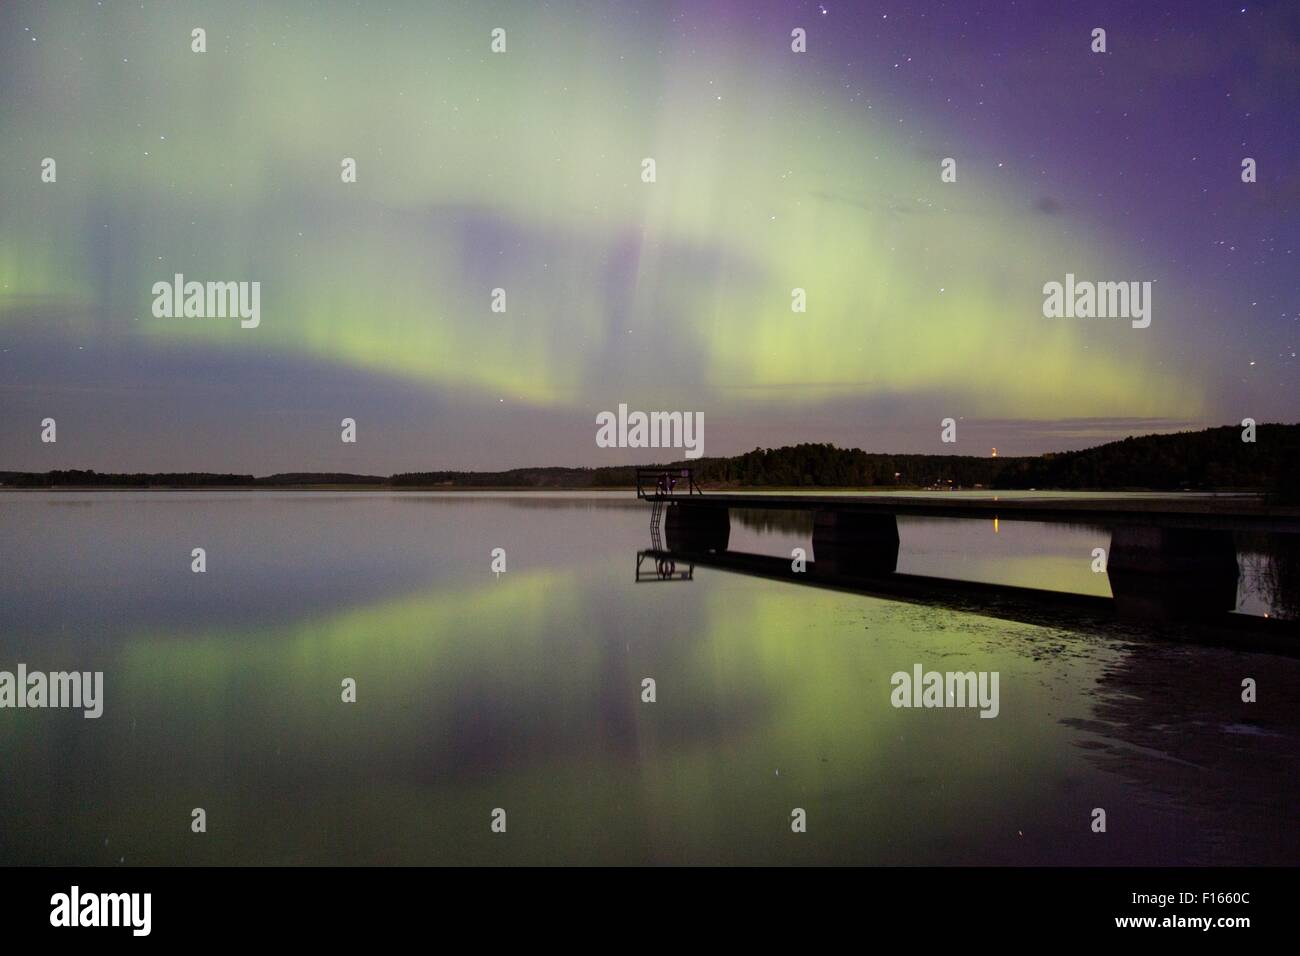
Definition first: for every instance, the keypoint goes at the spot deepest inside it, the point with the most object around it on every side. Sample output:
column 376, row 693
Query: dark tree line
column 1216, row 458
column 170, row 479
column 188, row 479
column 827, row 466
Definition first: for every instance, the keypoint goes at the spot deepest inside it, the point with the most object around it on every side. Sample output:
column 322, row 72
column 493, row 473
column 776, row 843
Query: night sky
column 522, row 171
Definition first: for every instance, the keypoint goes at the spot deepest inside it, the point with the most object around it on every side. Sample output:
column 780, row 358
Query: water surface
column 522, row 691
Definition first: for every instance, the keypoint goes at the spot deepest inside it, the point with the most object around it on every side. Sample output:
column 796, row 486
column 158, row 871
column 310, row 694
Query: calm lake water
column 523, row 691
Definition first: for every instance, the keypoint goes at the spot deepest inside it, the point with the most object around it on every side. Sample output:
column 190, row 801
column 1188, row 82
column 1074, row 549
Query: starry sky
column 522, row 171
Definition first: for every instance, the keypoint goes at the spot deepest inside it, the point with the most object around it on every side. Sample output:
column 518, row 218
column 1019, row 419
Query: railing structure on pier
column 657, row 483
column 661, row 485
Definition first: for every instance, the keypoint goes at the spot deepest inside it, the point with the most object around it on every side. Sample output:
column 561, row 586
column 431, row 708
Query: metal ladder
column 656, row 512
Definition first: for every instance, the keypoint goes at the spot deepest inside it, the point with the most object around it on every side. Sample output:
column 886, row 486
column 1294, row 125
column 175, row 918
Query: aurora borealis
column 522, row 171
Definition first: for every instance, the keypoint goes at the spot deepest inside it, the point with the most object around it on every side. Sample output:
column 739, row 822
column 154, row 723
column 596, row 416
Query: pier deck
column 1170, row 557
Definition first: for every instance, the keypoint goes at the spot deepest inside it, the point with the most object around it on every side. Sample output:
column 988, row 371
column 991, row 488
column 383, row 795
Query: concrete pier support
column 852, row 543
column 1172, row 573
column 697, row 528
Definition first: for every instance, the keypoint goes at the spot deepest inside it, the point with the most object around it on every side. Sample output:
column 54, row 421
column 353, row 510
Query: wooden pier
column 1170, row 558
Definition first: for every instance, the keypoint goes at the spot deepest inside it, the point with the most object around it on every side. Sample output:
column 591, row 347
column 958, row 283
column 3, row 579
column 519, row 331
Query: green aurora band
column 522, row 171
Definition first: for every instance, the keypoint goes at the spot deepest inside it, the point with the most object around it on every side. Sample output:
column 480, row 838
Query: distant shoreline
column 1223, row 460
column 588, row 489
